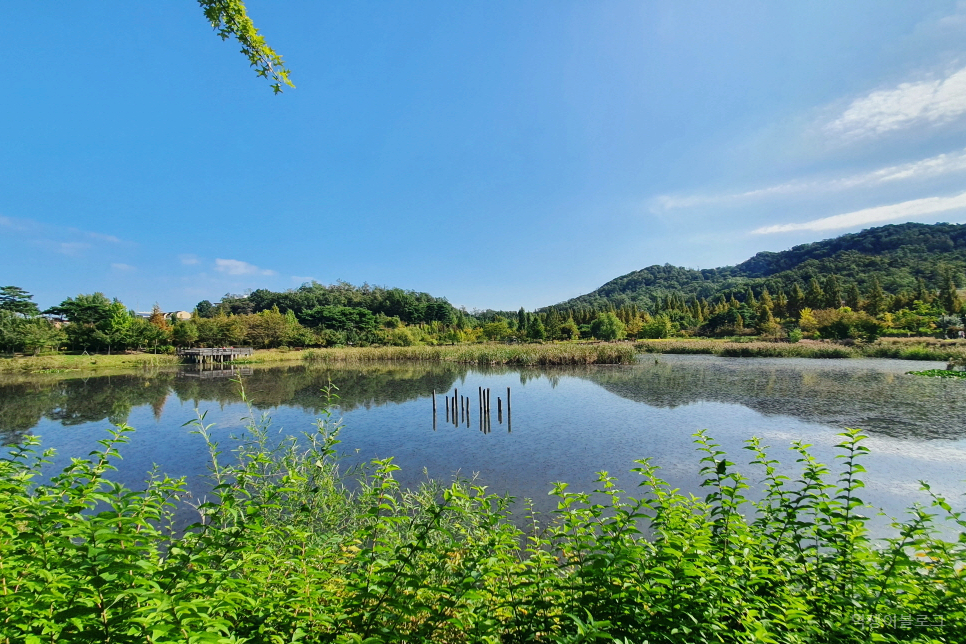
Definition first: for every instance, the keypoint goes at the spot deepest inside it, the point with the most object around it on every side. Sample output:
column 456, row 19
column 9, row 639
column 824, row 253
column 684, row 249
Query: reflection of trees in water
column 887, row 403
column 75, row 401
column 877, row 401
column 302, row 387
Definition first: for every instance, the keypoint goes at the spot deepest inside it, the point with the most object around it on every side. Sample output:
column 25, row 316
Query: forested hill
column 898, row 255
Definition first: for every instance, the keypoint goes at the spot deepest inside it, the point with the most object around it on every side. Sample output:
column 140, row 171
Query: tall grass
column 485, row 354
column 920, row 350
column 749, row 349
column 290, row 548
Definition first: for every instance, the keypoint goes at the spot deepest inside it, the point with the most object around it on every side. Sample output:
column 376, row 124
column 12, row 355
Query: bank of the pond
column 66, row 363
column 487, row 354
column 478, row 354
column 557, row 353
column 901, row 349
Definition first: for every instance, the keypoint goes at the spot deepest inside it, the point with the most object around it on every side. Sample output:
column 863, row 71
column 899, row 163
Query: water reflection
column 567, row 422
column 26, row 400
column 874, row 395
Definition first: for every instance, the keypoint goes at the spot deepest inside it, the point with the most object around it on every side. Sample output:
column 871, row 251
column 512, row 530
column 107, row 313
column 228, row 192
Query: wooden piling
column 447, row 409
column 508, row 410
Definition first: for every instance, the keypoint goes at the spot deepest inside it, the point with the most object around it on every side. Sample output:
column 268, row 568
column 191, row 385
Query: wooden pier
column 214, row 355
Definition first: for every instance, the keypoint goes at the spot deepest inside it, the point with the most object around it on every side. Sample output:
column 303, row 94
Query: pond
column 567, row 423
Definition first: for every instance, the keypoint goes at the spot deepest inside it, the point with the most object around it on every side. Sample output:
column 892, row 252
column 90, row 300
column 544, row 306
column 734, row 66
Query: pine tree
column 521, row 320
column 750, row 299
column 814, row 295
column 766, row 300
column 922, row 293
column 17, row 300
column 875, row 298
column 796, row 301
column 157, row 318
column 553, row 324
column 535, row 329
column 766, row 324
column 948, row 298
column 781, row 305
column 853, row 298
column 833, row 292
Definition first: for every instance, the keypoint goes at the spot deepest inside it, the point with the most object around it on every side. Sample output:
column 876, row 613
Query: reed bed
column 486, row 354
column 905, row 350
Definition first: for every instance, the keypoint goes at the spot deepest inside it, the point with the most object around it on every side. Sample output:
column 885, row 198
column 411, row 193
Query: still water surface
column 568, row 423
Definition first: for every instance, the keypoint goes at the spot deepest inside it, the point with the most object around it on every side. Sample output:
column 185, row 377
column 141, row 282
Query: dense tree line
column 309, row 300
column 892, row 280
column 903, row 258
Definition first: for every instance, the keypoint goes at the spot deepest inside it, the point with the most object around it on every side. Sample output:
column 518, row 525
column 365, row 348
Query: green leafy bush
column 289, row 548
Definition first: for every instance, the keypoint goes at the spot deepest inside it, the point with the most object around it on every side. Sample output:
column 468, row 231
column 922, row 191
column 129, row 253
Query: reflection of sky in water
column 570, row 423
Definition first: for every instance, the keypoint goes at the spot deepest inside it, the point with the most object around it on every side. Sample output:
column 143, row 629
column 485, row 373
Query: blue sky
column 500, row 154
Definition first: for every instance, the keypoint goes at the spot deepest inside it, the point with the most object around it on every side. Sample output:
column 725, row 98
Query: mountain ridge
column 898, row 255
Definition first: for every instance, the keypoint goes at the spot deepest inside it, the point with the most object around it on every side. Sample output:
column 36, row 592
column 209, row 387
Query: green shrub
column 288, row 548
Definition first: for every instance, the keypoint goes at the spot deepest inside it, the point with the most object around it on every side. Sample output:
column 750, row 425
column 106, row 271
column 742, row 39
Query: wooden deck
column 215, row 354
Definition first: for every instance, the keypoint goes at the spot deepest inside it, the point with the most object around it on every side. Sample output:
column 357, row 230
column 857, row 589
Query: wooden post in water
column 499, row 410
column 447, row 408
column 508, row 410
column 486, row 399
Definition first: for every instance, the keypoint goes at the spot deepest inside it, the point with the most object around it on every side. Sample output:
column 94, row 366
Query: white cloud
column 71, row 249
column 931, row 167
column 238, row 267
column 302, row 279
column 189, row 259
column 925, row 102
column 903, row 210
column 123, row 267
column 98, row 236
column 65, row 240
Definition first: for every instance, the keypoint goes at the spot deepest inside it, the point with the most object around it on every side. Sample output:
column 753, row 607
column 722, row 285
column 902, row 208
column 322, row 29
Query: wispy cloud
column 188, row 259
column 924, row 102
column 98, row 236
column 71, row 249
column 936, row 166
column 62, row 239
column 902, row 210
column 123, row 267
column 14, row 224
column 238, row 267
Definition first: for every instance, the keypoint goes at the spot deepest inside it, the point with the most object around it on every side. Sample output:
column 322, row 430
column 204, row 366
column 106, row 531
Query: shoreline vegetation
column 290, row 547
column 523, row 354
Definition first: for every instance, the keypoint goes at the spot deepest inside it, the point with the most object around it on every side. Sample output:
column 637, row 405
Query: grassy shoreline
column 60, row 363
column 901, row 349
column 578, row 353
column 486, row 354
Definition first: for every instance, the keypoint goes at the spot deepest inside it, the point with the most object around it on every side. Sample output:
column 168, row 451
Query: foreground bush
column 285, row 552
